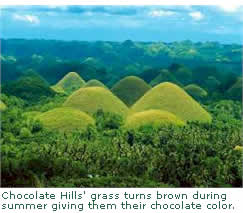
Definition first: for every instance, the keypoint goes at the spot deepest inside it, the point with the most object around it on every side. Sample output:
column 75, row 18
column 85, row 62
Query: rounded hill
column 69, row 83
column 152, row 117
column 30, row 87
column 171, row 98
column 195, row 91
column 92, row 99
column 164, row 76
column 65, row 119
column 94, row 83
column 130, row 89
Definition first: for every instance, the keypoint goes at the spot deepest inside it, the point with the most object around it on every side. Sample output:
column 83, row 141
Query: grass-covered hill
column 92, row 99
column 195, row 91
column 31, row 87
column 164, row 76
column 152, row 117
column 69, row 83
column 235, row 92
column 65, row 119
column 172, row 98
column 94, row 83
column 2, row 106
column 130, row 89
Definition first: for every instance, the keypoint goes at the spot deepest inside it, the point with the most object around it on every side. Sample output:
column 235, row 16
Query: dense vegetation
column 115, row 130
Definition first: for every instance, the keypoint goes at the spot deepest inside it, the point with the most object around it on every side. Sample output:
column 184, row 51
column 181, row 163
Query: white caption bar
column 121, row 200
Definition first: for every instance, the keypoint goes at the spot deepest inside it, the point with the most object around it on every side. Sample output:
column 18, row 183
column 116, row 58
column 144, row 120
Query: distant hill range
column 53, row 59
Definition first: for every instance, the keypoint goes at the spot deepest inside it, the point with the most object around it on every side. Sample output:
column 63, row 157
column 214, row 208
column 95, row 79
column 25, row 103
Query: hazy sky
column 119, row 23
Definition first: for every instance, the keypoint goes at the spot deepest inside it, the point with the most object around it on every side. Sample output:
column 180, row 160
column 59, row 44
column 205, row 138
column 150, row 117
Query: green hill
column 91, row 99
column 152, row 117
column 164, row 76
column 149, row 74
column 2, row 106
column 69, row 83
column 65, row 119
column 235, row 92
column 195, row 91
column 130, row 89
column 94, row 83
column 171, row 98
column 31, row 87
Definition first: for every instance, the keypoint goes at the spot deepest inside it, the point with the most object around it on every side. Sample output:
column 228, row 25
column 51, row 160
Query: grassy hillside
column 164, row 76
column 94, row 83
column 195, row 91
column 130, row 89
column 152, row 117
column 69, row 83
column 65, row 119
column 171, row 98
column 91, row 99
column 31, row 114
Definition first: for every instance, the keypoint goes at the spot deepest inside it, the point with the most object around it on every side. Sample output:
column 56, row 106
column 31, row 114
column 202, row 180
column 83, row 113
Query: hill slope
column 94, row 83
column 152, row 117
column 31, row 87
column 69, row 83
column 164, row 76
column 195, row 91
column 130, row 89
column 91, row 99
column 171, row 98
column 65, row 119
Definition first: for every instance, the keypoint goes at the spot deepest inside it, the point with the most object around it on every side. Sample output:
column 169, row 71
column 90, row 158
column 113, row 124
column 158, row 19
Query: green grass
column 152, row 117
column 130, row 89
column 164, row 76
column 69, row 83
column 2, row 106
column 65, row 119
column 92, row 99
column 94, row 83
column 58, row 89
column 195, row 91
column 171, row 98
column 32, row 114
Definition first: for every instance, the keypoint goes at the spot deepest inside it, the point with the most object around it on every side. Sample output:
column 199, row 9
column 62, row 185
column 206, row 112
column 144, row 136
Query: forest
column 120, row 114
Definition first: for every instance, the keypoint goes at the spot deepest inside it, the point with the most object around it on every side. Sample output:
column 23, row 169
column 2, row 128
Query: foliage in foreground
column 109, row 155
